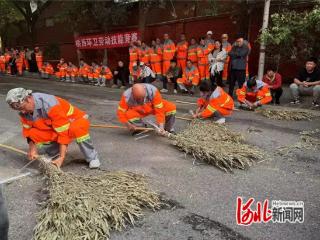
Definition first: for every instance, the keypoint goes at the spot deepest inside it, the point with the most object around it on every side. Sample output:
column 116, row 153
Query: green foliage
column 293, row 35
column 8, row 14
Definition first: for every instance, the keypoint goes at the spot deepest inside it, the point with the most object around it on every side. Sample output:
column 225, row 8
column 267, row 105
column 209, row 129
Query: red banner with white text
column 112, row 40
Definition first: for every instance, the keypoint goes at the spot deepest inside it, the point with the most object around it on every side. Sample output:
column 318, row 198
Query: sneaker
column 221, row 120
column 94, row 164
column 103, row 85
column 296, row 101
column 175, row 91
column 315, row 104
column 163, row 90
column 123, row 87
column 114, row 86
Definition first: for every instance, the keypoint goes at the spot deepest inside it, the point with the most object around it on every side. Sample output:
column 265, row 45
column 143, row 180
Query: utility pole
column 262, row 55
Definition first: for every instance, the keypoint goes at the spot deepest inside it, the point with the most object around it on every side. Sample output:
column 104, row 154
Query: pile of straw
column 280, row 114
column 217, row 145
column 86, row 207
column 309, row 140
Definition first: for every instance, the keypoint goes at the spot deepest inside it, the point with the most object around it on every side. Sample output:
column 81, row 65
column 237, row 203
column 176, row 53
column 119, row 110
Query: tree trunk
column 105, row 56
column 262, row 55
column 142, row 19
column 79, row 54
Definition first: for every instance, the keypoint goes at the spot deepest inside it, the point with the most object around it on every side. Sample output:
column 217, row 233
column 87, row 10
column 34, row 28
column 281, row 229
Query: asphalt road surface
column 202, row 198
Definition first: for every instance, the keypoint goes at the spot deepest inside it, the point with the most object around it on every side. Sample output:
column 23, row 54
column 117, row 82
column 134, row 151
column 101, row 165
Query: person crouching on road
column 50, row 123
column 142, row 100
column 214, row 102
column 253, row 94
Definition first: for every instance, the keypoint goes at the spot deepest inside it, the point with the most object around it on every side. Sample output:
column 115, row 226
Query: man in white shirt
column 146, row 74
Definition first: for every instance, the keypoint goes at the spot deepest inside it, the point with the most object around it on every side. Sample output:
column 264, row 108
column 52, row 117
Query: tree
column 9, row 15
column 293, row 36
column 30, row 10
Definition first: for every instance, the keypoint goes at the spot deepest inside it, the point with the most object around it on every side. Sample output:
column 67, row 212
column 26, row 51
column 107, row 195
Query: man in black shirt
column 121, row 74
column 307, row 82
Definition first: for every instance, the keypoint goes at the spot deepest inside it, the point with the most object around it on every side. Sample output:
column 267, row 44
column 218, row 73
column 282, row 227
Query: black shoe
column 277, row 102
column 315, row 104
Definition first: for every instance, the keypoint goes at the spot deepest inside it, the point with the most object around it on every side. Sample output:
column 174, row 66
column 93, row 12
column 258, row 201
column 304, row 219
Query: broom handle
column 117, row 127
column 183, row 118
column 13, row 149
column 190, row 103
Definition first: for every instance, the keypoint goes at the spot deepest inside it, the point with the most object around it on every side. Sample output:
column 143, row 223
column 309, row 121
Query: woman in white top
column 217, row 59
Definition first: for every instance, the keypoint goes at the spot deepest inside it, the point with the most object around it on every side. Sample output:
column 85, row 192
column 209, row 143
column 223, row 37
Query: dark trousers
column 123, row 81
column 148, row 79
column 276, row 94
column 4, row 221
column 173, row 80
column 217, row 79
column 238, row 76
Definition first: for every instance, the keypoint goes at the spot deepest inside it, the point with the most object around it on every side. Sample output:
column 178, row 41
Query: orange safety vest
column 169, row 50
column 7, row 57
column 210, row 44
column 219, row 101
column 182, row 50
column 39, row 57
column 261, row 93
column 192, row 54
column 227, row 48
column 155, row 55
column 190, row 76
column 49, row 69
column 153, row 104
column 202, row 54
column 133, row 54
column 55, row 118
column 106, row 73
column 144, row 55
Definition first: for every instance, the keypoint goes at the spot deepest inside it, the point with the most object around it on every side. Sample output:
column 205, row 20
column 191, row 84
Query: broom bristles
column 217, row 145
column 86, row 207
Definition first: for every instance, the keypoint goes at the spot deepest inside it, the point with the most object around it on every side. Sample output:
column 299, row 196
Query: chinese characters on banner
column 113, row 40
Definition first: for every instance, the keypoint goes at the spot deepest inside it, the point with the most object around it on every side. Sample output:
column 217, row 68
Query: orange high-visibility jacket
column 190, row 76
column 133, row 54
column 106, row 73
column 51, row 114
column 84, row 69
column 153, row 104
column 39, row 57
column 155, row 54
column 62, row 67
column 7, row 56
column 227, row 47
column 192, row 53
column 210, row 44
column 144, row 55
column 182, row 50
column 72, row 71
column 202, row 53
column 49, row 69
column 219, row 101
column 169, row 50
column 261, row 93
column 94, row 72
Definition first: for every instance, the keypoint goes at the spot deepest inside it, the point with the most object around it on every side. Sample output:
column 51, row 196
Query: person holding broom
column 50, row 124
column 254, row 93
column 142, row 100
column 214, row 102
